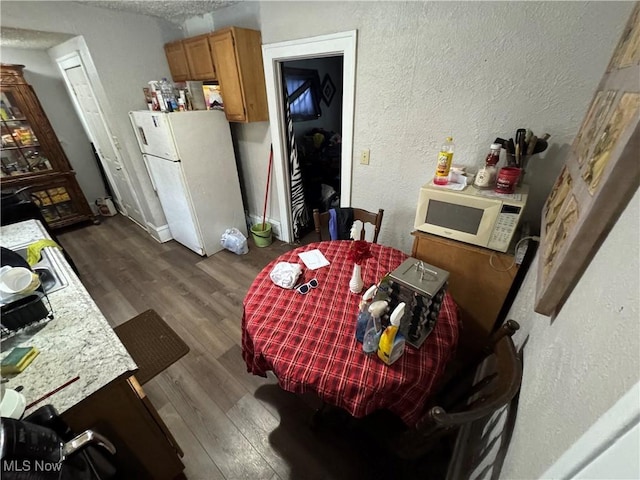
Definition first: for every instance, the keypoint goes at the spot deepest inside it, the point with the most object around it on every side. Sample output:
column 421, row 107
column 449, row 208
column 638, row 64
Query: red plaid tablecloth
column 309, row 342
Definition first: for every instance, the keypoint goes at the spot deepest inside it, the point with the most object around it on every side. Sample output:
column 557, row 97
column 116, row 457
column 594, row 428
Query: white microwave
column 479, row 217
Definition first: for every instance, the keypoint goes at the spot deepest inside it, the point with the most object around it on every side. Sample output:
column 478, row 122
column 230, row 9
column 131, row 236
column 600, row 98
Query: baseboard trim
column 161, row 234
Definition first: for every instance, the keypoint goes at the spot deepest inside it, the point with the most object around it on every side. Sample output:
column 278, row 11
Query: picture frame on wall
column 600, row 176
column 328, row 89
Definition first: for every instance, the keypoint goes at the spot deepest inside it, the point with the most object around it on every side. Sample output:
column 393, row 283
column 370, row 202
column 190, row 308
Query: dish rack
column 23, row 312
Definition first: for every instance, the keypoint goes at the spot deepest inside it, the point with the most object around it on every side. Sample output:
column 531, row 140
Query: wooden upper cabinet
column 177, row 59
column 199, row 61
column 237, row 53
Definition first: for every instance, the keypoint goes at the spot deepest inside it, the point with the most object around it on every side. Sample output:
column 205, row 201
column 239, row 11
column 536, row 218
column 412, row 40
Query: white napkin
column 285, row 274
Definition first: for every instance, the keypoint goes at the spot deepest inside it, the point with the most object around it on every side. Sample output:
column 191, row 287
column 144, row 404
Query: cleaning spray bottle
column 391, row 345
column 374, row 326
column 363, row 314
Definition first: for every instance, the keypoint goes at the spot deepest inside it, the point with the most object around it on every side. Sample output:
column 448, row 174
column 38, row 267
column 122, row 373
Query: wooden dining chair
column 321, row 222
column 464, row 398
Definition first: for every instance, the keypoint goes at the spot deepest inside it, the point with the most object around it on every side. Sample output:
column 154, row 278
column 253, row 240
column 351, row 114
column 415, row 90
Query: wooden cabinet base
column 122, row 413
column 479, row 281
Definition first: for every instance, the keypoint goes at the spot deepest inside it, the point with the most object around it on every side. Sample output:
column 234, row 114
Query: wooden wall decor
column 600, row 176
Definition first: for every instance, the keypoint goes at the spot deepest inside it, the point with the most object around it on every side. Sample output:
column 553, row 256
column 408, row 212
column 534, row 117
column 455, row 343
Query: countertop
column 77, row 342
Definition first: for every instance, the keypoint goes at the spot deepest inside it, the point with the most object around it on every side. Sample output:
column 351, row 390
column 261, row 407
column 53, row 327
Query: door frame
column 79, row 57
column 610, row 442
column 342, row 43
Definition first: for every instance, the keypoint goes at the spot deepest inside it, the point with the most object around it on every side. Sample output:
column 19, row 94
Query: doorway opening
column 314, row 89
column 276, row 58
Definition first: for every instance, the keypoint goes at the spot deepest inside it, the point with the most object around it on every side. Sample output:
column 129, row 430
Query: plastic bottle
column 391, row 344
column 374, row 328
column 169, row 95
column 363, row 314
column 444, row 162
column 486, row 176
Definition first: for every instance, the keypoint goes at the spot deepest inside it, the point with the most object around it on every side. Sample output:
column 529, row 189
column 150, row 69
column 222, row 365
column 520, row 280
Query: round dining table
column 308, row 340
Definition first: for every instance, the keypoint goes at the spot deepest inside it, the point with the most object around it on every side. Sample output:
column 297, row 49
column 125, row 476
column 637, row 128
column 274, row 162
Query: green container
column 261, row 237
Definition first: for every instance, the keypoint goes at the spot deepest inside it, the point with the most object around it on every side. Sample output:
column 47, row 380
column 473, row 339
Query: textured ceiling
column 176, row 11
column 172, row 11
column 31, row 39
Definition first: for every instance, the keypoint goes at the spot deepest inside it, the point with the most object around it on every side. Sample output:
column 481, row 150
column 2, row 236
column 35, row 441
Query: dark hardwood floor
column 230, row 424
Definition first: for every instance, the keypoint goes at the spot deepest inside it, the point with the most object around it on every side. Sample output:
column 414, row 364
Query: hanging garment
column 340, row 223
column 299, row 212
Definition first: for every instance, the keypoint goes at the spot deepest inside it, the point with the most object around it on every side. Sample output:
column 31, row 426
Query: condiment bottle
column 444, row 163
column 486, row 176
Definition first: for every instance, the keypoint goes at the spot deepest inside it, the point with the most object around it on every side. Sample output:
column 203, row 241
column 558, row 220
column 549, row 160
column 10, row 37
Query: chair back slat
column 469, row 401
column 321, row 222
column 466, row 395
column 504, row 388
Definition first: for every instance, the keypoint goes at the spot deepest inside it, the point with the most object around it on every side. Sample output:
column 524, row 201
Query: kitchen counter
column 77, row 342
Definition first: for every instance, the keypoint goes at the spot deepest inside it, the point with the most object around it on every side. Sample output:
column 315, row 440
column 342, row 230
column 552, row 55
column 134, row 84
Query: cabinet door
column 479, row 279
column 237, row 53
column 117, row 411
column 177, row 60
column 22, row 153
column 199, row 58
column 60, row 200
column 223, row 47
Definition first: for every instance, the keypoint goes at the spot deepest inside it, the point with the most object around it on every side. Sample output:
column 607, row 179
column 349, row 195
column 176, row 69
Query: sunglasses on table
column 306, row 287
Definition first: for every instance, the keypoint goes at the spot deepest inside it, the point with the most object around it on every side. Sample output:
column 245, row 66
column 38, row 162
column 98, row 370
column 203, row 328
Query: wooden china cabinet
column 31, row 156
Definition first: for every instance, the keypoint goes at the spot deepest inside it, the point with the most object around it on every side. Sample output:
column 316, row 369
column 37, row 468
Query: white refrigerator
column 193, row 169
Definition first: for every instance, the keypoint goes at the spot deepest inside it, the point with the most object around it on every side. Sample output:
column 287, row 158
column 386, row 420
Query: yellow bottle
column 391, row 345
column 445, row 157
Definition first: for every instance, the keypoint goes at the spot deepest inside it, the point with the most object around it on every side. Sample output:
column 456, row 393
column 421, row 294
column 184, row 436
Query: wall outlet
column 364, row 157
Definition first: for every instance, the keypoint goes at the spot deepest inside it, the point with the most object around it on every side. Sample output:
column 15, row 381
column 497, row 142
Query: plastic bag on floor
column 233, row 239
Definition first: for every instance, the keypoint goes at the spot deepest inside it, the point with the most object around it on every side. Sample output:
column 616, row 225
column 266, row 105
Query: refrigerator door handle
column 143, row 137
column 146, row 165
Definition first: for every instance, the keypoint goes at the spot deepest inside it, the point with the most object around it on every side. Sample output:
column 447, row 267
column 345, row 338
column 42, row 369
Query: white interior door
column 97, row 130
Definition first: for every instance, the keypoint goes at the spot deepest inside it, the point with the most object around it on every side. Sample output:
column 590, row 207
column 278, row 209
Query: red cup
column 507, row 179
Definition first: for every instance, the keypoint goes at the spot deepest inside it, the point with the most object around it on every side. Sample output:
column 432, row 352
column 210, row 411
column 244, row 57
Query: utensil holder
column 511, row 162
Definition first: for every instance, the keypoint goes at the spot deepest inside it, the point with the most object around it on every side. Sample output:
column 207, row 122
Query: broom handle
column 266, row 195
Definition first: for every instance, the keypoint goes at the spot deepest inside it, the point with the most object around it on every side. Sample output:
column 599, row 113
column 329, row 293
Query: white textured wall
column 425, row 70
column 127, row 50
column 48, row 84
column 579, row 364
column 479, row 70
column 252, row 139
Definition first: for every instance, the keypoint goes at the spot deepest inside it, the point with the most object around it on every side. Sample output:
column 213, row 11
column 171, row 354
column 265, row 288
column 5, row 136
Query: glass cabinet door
column 21, row 153
column 55, row 203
